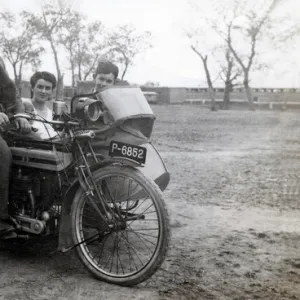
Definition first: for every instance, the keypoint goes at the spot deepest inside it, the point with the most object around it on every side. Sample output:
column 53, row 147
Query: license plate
column 132, row 152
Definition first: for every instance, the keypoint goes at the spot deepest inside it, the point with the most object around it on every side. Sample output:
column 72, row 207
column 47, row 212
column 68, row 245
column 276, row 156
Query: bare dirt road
column 235, row 216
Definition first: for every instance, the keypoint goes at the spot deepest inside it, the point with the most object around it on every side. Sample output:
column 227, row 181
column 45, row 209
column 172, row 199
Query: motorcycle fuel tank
column 41, row 159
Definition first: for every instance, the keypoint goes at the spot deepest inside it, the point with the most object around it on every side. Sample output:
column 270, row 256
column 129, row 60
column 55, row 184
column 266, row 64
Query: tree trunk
column 226, row 98
column 125, row 70
column 79, row 71
column 229, row 79
column 16, row 75
column 17, row 79
column 211, row 91
column 59, row 87
column 248, row 92
column 91, row 68
column 86, row 75
column 20, row 76
column 73, row 73
column 72, row 63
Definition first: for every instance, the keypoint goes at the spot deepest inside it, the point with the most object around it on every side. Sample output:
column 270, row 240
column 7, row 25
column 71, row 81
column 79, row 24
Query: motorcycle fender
column 65, row 229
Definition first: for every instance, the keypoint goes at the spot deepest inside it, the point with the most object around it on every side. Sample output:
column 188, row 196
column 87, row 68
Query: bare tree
column 243, row 27
column 18, row 45
column 229, row 74
column 127, row 44
column 230, row 70
column 199, row 47
column 49, row 24
column 207, row 38
column 85, row 44
column 252, row 30
column 97, row 44
column 285, row 34
column 204, row 58
column 69, row 39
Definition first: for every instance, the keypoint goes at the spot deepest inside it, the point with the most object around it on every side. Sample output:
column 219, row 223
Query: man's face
column 42, row 90
column 104, row 80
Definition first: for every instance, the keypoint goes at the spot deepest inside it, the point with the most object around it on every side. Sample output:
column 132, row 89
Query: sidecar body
column 128, row 118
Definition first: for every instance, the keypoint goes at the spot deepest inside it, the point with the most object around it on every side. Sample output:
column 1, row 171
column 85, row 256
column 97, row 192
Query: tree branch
column 198, row 53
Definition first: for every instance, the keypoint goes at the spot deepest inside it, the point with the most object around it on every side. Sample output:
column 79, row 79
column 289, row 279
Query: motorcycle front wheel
column 129, row 246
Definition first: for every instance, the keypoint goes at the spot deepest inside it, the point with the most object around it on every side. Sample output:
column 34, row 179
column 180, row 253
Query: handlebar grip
column 12, row 127
column 21, row 115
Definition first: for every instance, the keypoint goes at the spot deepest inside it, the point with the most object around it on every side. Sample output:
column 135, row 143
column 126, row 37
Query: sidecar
column 128, row 120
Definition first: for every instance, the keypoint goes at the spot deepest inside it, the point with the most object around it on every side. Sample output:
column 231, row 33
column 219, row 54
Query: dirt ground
column 234, row 206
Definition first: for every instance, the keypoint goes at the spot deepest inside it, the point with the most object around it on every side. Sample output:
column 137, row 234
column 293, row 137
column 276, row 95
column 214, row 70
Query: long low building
column 180, row 95
column 177, row 95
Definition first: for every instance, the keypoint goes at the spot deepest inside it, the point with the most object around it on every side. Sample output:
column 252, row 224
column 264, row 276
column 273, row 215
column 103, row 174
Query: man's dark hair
column 43, row 75
column 107, row 67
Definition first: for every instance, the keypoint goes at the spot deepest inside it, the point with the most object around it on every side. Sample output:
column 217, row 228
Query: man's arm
column 10, row 102
column 14, row 103
column 9, row 97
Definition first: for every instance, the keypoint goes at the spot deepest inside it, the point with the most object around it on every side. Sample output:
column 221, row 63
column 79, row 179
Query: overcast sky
column 171, row 61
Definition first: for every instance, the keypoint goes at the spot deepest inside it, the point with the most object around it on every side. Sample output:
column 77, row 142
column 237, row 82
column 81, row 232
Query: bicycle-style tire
column 131, row 253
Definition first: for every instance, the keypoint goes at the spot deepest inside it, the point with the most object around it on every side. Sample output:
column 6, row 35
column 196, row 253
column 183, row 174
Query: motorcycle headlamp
column 88, row 109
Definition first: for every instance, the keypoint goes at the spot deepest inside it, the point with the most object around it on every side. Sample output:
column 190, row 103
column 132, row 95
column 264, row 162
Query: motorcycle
column 98, row 187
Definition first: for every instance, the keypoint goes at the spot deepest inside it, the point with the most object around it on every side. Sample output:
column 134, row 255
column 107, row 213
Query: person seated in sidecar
column 106, row 75
column 42, row 86
column 10, row 104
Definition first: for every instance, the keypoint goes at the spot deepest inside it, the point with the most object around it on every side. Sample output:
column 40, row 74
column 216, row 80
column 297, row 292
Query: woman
column 42, row 86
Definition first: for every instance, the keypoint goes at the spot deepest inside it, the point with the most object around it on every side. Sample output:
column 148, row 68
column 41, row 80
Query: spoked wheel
column 131, row 245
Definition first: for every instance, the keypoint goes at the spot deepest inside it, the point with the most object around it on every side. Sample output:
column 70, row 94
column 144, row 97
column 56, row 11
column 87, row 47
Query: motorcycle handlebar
column 30, row 118
column 25, row 116
column 11, row 126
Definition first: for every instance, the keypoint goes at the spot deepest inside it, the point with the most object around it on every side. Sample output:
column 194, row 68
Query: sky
column 170, row 61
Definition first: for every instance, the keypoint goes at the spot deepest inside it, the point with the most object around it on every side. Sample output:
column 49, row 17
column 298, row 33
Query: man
column 106, row 75
column 10, row 104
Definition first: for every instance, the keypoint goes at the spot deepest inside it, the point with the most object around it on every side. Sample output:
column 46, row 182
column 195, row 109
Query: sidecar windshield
column 124, row 103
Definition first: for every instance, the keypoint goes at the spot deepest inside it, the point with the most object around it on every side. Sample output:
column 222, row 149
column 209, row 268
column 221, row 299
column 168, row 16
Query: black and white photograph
column 149, row 150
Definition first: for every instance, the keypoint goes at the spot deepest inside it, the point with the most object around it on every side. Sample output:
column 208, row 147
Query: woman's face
column 42, row 91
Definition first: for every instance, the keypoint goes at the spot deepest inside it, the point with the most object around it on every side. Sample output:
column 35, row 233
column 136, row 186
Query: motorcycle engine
column 32, row 192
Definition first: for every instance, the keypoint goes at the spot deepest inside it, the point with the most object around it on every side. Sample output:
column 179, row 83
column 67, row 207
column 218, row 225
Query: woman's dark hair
column 107, row 67
column 43, row 75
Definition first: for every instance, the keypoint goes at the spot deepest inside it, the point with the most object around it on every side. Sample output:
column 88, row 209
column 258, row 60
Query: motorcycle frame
column 85, row 181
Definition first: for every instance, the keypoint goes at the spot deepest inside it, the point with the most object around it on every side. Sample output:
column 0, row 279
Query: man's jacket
column 10, row 101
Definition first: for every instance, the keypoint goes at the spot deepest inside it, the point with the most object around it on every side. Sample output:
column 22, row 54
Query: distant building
column 173, row 95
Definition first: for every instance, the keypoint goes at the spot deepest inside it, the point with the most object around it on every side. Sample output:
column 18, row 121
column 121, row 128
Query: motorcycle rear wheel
column 131, row 250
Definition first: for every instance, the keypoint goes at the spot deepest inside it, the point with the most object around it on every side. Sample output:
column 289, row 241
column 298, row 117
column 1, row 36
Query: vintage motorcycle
column 98, row 187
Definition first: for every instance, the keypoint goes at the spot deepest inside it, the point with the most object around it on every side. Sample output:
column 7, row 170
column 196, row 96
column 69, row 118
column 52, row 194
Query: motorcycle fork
column 88, row 184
